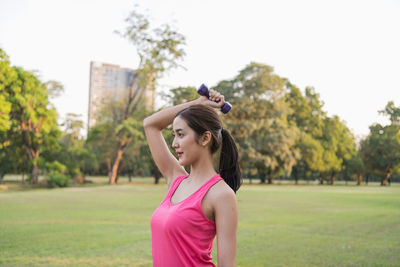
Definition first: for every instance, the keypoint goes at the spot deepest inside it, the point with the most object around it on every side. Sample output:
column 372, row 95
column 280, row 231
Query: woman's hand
column 216, row 100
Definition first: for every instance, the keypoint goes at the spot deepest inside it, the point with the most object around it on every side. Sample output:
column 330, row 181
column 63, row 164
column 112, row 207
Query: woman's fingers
column 214, row 95
column 222, row 101
column 211, row 92
column 217, row 100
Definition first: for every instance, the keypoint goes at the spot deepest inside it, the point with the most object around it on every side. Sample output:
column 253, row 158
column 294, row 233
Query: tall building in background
column 106, row 81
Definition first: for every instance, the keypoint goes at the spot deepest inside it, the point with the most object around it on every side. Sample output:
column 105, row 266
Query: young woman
column 201, row 204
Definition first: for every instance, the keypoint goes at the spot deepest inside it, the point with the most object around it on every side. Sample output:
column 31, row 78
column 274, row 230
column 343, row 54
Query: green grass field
column 280, row 225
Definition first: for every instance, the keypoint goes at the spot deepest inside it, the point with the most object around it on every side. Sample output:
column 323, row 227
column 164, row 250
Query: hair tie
column 220, row 133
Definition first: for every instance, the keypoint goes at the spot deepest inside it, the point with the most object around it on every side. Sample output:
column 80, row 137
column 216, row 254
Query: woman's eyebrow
column 177, row 130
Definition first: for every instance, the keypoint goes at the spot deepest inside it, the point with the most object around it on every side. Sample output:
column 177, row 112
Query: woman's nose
column 174, row 143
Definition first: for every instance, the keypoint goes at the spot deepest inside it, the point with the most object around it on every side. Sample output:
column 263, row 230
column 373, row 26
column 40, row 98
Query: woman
column 201, row 204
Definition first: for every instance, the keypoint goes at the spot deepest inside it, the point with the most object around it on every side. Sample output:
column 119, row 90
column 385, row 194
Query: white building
column 107, row 80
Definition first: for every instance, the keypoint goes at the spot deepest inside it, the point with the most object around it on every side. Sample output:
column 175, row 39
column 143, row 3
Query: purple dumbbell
column 203, row 90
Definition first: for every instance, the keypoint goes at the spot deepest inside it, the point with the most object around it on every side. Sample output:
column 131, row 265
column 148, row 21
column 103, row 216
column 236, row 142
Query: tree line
column 281, row 131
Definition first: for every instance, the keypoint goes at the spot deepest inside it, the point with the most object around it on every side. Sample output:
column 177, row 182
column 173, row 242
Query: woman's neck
column 202, row 170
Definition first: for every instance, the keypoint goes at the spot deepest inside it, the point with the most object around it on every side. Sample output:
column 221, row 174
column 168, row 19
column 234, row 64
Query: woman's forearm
column 165, row 117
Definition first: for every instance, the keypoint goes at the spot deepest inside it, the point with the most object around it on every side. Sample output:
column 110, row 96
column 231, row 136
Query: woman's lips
column 179, row 154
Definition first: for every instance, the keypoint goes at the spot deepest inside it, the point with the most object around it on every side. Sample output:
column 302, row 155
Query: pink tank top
column 181, row 233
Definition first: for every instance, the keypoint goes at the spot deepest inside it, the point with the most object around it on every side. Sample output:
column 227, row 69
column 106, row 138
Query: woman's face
column 184, row 142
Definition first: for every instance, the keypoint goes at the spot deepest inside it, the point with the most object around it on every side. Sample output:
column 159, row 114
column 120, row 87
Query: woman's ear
column 205, row 138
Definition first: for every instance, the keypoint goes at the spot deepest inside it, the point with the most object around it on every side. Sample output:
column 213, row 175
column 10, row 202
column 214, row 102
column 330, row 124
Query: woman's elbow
column 147, row 122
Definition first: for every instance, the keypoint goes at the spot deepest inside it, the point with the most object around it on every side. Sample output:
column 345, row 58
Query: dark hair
column 202, row 118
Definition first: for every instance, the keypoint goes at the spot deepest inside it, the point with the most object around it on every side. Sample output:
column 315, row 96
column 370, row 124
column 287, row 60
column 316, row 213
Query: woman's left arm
column 226, row 219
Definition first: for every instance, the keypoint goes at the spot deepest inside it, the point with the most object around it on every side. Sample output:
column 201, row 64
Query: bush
column 55, row 166
column 56, row 179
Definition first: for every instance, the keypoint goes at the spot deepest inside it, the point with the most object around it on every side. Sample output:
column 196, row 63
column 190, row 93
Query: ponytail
column 229, row 161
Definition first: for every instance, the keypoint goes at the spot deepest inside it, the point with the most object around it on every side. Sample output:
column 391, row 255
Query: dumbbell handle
column 203, row 90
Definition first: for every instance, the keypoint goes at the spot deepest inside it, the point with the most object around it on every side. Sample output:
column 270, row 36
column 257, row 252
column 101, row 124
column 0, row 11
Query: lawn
column 279, row 225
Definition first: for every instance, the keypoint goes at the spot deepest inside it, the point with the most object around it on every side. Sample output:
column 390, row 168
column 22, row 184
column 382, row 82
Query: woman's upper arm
column 165, row 161
column 226, row 219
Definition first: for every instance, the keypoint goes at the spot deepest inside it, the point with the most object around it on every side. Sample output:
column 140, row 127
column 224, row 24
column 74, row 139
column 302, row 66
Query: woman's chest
column 181, row 218
column 185, row 194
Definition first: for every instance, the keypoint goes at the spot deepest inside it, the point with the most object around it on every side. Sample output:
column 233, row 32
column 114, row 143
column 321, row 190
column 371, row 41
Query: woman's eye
column 178, row 134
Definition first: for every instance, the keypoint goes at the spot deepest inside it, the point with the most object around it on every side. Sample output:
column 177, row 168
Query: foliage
column 56, row 179
column 259, row 121
column 33, row 121
column 181, row 95
column 309, row 118
column 7, row 76
column 71, row 150
column 326, row 144
column 55, row 166
column 381, row 150
column 56, row 176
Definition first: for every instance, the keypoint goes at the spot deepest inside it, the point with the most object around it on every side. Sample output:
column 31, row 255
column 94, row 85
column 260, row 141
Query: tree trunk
column 157, row 176
column 79, row 179
column 115, row 166
column 262, row 177
column 359, row 178
column 321, row 180
column 270, row 179
column 295, row 174
column 33, row 157
column 35, row 173
column 109, row 168
column 332, row 178
column 387, row 176
column 130, row 177
column 155, row 172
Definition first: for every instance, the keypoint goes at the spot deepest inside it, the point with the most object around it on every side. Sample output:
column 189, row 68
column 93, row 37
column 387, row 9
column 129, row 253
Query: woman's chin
column 182, row 162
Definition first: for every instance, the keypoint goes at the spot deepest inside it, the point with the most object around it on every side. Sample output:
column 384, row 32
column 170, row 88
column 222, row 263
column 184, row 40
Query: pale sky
column 349, row 51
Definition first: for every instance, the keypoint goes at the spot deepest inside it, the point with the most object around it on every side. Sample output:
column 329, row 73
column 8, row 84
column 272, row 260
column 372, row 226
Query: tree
column 119, row 126
column 355, row 165
column 309, row 117
column 7, row 77
column 71, row 151
column 393, row 112
column 326, row 144
column 33, row 122
column 381, row 150
column 339, row 146
column 259, row 121
column 159, row 50
column 181, row 95
column 99, row 142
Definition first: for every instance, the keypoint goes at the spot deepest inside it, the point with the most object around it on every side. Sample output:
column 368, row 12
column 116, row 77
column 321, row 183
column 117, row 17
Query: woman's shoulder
column 221, row 191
